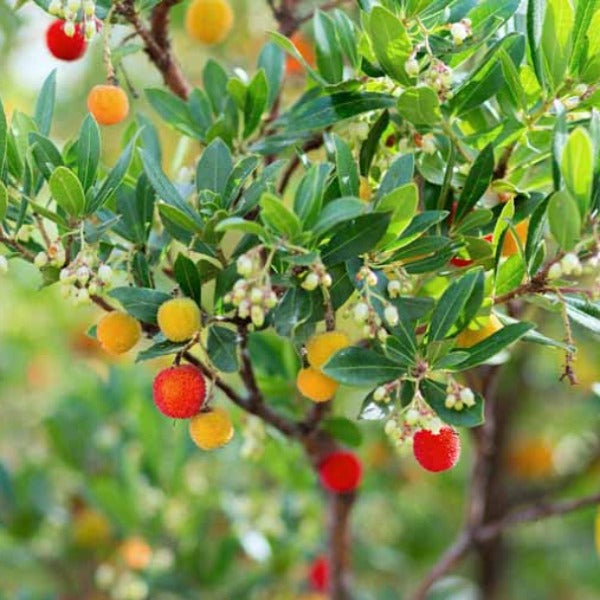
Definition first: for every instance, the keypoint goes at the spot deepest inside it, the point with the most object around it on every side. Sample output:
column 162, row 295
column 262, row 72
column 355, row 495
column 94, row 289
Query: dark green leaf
column 222, row 348
column 141, row 303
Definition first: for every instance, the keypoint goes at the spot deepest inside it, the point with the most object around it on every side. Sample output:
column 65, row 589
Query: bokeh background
column 101, row 498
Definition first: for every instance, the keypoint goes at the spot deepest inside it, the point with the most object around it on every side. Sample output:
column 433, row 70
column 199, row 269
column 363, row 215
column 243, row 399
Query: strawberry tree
column 424, row 205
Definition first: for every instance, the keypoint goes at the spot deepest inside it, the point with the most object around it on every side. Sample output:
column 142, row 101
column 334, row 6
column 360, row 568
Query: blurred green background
column 101, row 497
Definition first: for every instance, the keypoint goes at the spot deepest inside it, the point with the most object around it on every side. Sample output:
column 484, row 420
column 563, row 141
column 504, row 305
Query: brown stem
column 294, row 163
column 340, row 509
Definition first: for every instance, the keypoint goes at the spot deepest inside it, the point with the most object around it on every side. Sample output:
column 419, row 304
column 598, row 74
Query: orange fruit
column 108, row 104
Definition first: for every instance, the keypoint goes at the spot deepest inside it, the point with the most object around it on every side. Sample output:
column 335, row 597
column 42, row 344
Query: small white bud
column 571, row 102
column 361, row 312
column 82, row 274
column 271, row 301
column 555, row 271
column 391, row 315
column 83, row 296
column 412, row 417
column 311, row 282
column 379, row 394
column 244, row 266
column 459, row 33
column 257, row 315
column 411, row 67
column 326, row 280
column 55, row 7
column 74, row 5
column 69, row 28
column 390, row 427
column 435, row 425
column 90, row 29
column 89, row 8
column 105, row 273
column 428, row 144
column 382, row 335
column 372, row 279
column 256, row 296
column 570, row 264
column 93, row 288
column 41, row 260
column 244, row 309
column 394, row 288
column 450, row 401
column 467, row 397
column 581, row 89
column 3, row 265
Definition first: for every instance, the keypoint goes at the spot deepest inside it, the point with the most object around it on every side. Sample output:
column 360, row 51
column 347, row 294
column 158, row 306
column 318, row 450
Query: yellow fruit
column 365, row 192
column 211, row 429
column 477, row 331
column 209, row 21
column 118, row 332
column 510, row 245
column 136, row 553
column 321, row 347
column 179, row 319
column 315, row 386
column 91, row 529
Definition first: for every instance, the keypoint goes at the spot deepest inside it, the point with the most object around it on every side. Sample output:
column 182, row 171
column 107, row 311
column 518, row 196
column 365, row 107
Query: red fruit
column 61, row 45
column 341, row 472
column 461, row 262
column 179, row 392
column 319, row 574
column 437, row 452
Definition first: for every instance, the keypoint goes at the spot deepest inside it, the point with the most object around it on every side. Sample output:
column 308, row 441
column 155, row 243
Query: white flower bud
column 428, row 144
column 555, row 271
column 467, row 397
column 244, row 309
column 411, row 67
column 55, row 7
column 570, row 264
column 572, row 102
column 74, row 5
column 90, row 29
column 382, row 335
column 412, row 417
column 311, row 282
column 105, row 273
column 379, row 394
column 394, row 288
column 450, row 401
column 257, row 315
column 89, row 8
column 40, row 260
column 435, row 425
column 256, row 295
column 581, row 89
column 326, row 280
column 93, row 288
column 372, row 279
column 459, row 33
column 105, row 576
column 391, row 315
column 69, row 28
column 244, row 266
column 271, row 301
column 83, row 296
column 390, row 427
column 361, row 312
column 3, row 265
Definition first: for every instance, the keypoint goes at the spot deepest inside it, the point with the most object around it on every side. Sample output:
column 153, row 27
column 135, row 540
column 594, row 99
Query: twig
column 294, row 163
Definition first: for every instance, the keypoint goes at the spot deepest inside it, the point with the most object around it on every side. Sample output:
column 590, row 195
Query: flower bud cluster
column 84, row 277
column 418, row 142
column 460, row 31
column 70, row 10
column 383, row 394
column 54, row 256
column 439, row 77
column 418, row 415
column 316, row 276
column 458, row 396
column 252, row 294
column 570, row 265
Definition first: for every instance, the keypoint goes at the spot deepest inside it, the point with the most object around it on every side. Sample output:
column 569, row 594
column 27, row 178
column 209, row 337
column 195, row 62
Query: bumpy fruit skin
column 315, row 386
column 321, row 347
column 179, row 319
column 510, row 246
column 439, row 452
column 294, row 66
column 136, row 553
column 108, row 104
column 484, row 328
column 341, row 472
column 179, row 392
column 62, row 46
column 91, row 529
column 318, row 575
column 212, row 429
column 209, row 21
column 118, row 332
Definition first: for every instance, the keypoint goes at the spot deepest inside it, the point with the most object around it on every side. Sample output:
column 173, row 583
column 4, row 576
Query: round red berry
column 437, row 452
column 318, row 575
column 61, row 45
column 459, row 262
column 341, row 472
column 179, row 392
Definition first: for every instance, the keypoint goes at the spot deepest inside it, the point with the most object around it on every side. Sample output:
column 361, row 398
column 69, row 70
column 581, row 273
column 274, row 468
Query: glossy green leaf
column 214, row 167
column 222, row 347
column 478, row 180
column 88, row 152
column 556, row 40
column 44, row 107
column 564, row 219
column 347, row 172
column 329, row 55
column 577, row 166
column 256, row 102
column 420, row 106
column 187, row 276
column 336, row 212
column 67, row 191
column 141, row 303
column 278, row 217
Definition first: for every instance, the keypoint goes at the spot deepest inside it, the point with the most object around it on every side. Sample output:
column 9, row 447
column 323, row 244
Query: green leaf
column 329, row 55
column 400, row 173
column 3, row 137
column 287, row 45
column 278, row 217
column 343, row 430
column 347, row 173
column 577, row 167
column 256, row 102
column 535, row 19
column 141, row 303
column 556, row 40
column 390, row 43
column 44, row 107
column 564, row 219
column 175, row 112
column 272, row 60
column 67, row 191
column 214, row 78
column 583, row 18
column 510, row 274
column 3, row 201
column 370, row 145
column 336, row 212
column 240, row 224
column 222, row 348
column 309, row 194
column 435, row 395
column 45, row 154
column 492, row 345
column 356, row 238
column 420, row 106
column 362, row 367
column 163, row 348
column 214, row 167
column 451, row 304
column 187, row 276
column 321, row 112
column 88, row 152
column 478, row 181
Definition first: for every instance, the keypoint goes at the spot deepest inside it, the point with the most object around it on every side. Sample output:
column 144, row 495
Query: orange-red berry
column 341, row 472
column 179, row 392
column 437, row 452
